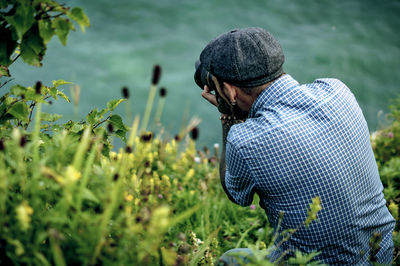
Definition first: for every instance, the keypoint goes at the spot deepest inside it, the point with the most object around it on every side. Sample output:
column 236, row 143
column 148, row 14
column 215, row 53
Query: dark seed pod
column 50, row 102
column 22, row 141
column 125, row 92
column 177, row 138
column 138, row 219
column 128, row 149
column 2, row 145
column 146, row 137
column 147, row 164
column 116, row 176
column 156, row 74
column 22, row 96
column 38, row 87
column 110, row 128
column 194, row 133
column 163, row 92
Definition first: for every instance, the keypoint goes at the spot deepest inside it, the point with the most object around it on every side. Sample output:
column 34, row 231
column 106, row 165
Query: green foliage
column 66, row 198
column 386, row 146
column 27, row 26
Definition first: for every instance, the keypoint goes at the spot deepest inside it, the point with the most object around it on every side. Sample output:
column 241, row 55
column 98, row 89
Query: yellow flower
column 71, row 174
column 113, row 155
column 129, row 197
column 137, row 201
column 189, row 175
column 24, row 212
column 160, row 219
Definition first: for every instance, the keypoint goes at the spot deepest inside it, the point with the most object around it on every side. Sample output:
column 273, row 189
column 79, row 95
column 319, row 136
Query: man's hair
column 254, row 90
column 258, row 89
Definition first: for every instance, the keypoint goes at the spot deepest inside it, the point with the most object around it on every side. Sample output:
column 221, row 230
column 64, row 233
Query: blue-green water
column 355, row 41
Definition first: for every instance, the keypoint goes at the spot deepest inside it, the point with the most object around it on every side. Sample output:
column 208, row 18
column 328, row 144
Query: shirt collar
column 272, row 93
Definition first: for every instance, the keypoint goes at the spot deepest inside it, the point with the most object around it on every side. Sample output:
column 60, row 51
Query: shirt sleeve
column 238, row 179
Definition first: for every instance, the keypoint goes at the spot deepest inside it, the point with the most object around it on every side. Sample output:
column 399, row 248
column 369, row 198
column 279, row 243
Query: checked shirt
column 304, row 141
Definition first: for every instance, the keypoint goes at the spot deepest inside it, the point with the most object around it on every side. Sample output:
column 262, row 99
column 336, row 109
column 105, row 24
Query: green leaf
column 23, row 18
column 3, row 3
column 20, row 111
column 62, row 27
column 50, row 117
column 46, row 30
column 57, row 83
column 111, row 105
column 62, row 94
column 116, row 121
column 80, row 17
column 92, row 117
column 32, row 46
column 88, row 195
column 18, row 90
column 121, row 134
column 4, row 71
column 53, row 92
column 7, row 48
column 31, row 95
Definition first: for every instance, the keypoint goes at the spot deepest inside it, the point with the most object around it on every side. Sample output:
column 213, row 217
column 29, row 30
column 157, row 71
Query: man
column 293, row 143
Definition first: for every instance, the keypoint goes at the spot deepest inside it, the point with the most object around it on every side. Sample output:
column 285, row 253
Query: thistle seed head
column 38, row 87
column 125, row 92
column 194, row 133
column 163, row 92
column 110, row 128
column 156, row 74
column 2, row 145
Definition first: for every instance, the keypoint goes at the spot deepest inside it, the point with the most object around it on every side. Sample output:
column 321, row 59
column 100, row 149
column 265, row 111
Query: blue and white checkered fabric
column 304, row 141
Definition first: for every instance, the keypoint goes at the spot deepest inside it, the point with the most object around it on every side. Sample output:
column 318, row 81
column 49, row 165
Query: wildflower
column 24, row 212
column 189, row 174
column 160, row 196
column 38, row 87
column 113, row 155
column 137, row 201
column 390, row 135
column 252, row 206
column 156, row 74
column 197, row 159
column 128, row 197
column 160, row 219
column 394, row 210
column 71, row 174
column 315, row 207
column 125, row 92
column 163, row 92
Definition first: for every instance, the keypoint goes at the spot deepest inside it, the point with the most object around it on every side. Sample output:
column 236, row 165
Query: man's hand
column 206, row 93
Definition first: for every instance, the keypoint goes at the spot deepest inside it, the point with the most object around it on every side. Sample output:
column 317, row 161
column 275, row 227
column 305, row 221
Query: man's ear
column 230, row 91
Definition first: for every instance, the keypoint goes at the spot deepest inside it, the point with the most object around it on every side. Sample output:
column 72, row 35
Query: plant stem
column 149, row 106
column 36, row 138
column 159, row 111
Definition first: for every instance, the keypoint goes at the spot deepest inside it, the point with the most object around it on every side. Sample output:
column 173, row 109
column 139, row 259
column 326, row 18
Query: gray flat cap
column 245, row 57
